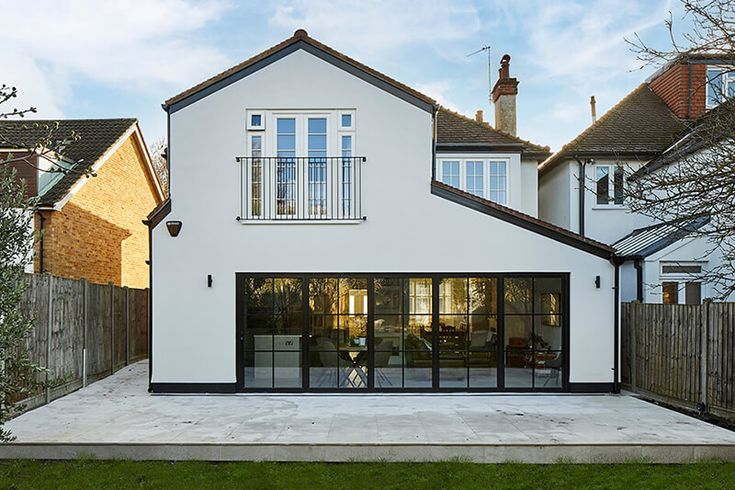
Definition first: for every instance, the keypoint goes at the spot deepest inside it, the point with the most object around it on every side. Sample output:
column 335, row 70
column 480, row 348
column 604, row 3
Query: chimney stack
column 478, row 116
column 593, row 109
column 504, row 97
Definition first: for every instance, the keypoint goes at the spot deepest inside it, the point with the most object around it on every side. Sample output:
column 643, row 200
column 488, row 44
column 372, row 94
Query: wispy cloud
column 135, row 47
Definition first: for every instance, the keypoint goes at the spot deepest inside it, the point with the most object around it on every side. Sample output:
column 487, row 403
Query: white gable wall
column 407, row 229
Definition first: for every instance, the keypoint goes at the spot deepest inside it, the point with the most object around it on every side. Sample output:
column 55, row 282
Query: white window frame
column 727, row 77
column 611, row 167
column 486, row 173
column 681, row 278
column 249, row 121
column 269, row 146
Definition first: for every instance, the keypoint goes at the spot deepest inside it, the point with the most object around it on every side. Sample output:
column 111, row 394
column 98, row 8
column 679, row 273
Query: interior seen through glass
column 470, row 340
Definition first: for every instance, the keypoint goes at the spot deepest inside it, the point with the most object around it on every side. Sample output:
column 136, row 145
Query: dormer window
column 720, row 85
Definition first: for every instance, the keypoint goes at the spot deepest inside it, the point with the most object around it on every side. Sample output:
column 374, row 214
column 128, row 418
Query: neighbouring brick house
column 91, row 226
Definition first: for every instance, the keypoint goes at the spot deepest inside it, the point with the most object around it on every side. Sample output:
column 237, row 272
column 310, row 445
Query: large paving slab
column 117, row 418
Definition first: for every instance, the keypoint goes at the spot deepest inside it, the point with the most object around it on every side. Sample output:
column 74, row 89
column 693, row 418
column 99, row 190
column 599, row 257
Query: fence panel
column 82, row 332
column 681, row 354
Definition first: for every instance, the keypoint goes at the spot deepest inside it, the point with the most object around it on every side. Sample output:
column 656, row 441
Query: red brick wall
column 673, row 86
column 99, row 234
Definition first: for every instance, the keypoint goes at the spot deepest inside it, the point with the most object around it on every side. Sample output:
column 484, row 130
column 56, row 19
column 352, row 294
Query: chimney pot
column 478, row 116
column 593, row 109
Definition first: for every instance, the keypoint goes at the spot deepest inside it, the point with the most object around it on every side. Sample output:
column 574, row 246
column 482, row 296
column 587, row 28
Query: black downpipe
column 639, row 279
column 41, row 221
column 616, row 361
column 582, row 172
column 434, row 114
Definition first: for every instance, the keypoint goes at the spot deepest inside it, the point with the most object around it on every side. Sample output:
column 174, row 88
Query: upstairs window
column 301, row 165
column 483, row 178
column 450, row 172
column 609, row 185
column 720, row 85
column 498, row 181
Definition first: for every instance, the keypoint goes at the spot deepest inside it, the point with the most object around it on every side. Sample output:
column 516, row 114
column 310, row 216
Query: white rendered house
column 582, row 186
column 331, row 229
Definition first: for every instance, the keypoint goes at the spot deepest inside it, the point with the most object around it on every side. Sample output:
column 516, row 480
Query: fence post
column 112, row 328
column 704, row 354
column 49, row 321
column 85, row 317
column 127, row 325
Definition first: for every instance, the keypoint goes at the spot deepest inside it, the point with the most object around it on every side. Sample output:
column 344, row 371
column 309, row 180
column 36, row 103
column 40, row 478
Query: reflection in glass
column 453, row 295
column 518, row 292
column 483, row 295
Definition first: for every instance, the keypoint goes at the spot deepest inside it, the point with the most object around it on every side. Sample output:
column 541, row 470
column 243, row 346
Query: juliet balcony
column 301, row 189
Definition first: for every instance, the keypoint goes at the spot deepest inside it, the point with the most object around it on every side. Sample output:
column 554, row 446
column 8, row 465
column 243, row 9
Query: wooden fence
column 681, row 354
column 82, row 332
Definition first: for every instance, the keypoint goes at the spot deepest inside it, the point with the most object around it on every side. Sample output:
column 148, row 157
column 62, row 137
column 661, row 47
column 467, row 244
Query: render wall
column 554, row 196
column 407, row 229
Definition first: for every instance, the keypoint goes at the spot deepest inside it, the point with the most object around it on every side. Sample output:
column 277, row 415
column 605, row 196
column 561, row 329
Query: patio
column 117, row 418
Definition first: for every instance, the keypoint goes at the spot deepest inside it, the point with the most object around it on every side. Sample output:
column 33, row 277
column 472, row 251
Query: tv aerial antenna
column 486, row 50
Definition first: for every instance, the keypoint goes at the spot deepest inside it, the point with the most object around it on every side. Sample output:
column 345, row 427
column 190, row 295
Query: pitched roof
column 96, row 136
column 456, row 130
column 640, row 125
column 300, row 36
column 706, row 131
column 644, row 242
column 521, row 219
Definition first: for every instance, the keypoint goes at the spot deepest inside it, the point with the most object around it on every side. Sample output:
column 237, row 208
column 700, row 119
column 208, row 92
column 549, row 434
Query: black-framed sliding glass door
column 402, row 332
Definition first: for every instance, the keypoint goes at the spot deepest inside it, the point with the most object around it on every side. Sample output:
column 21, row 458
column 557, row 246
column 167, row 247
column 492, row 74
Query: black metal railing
column 301, row 188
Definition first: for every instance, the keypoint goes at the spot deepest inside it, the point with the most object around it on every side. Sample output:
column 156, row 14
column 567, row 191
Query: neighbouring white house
column 582, row 187
column 331, row 229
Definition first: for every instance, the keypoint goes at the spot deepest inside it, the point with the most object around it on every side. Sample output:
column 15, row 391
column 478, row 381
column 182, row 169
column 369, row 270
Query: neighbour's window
column 609, row 190
column 450, row 172
column 670, row 293
column 475, row 177
column 346, row 121
column 693, row 293
column 720, row 85
column 498, row 181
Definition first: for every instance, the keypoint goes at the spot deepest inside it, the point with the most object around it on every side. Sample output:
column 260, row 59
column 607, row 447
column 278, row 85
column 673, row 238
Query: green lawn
column 445, row 476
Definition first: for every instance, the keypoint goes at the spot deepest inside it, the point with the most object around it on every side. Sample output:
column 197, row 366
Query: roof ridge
column 487, row 125
column 24, row 120
column 298, row 35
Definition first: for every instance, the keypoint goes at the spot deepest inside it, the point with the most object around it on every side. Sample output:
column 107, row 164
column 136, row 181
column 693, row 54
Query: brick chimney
column 479, row 116
column 504, row 98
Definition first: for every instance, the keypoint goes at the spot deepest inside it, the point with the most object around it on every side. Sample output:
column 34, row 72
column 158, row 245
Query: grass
column 447, row 475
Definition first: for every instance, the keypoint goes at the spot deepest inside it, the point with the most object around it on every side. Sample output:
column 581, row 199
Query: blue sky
column 80, row 59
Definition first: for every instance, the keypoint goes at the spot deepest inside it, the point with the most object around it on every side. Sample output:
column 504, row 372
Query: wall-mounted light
column 174, row 228
column 597, row 282
column 210, row 280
